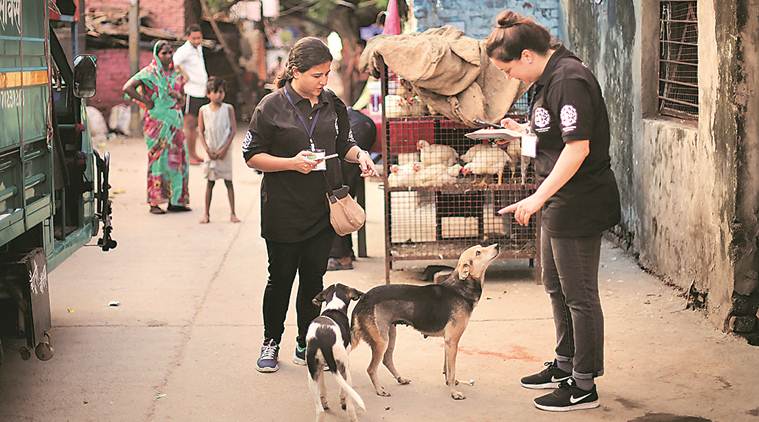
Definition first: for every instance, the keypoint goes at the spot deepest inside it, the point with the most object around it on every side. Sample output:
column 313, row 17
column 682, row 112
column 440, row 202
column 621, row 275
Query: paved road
column 183, row 342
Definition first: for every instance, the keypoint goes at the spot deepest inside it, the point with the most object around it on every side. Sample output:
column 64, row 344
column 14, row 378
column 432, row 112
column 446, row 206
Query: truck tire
column 44, row 350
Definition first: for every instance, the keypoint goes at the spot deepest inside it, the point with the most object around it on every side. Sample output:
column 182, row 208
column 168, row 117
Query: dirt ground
column 182, row 344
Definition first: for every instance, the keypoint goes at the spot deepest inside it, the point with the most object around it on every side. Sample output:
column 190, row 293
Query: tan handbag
column 345, row 214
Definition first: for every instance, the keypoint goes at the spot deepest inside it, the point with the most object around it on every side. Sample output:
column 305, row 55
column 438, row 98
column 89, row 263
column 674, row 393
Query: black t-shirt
column 568, row 106
column 294, row 205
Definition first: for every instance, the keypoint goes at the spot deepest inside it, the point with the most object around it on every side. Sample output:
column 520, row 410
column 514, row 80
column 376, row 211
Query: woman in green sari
column 158, row 89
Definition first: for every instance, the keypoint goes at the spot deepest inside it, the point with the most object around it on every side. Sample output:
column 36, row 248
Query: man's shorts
column 193, row 104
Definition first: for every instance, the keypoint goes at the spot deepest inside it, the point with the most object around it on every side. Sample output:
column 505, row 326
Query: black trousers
column 309, row 259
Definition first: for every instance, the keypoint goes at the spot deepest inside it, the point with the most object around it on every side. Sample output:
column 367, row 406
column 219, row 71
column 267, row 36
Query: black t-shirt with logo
column 567, row 106
column 294, row 205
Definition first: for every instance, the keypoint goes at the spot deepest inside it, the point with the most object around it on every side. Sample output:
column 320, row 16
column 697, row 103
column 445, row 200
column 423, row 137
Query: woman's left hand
column 176, row 95
column 524, row 209
column 366, row 164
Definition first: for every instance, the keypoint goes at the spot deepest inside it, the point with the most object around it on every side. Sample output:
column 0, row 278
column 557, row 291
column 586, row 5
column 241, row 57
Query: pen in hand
column 319, row 160
column 487, row 124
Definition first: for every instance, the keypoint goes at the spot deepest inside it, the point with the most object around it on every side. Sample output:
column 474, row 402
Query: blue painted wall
column 476, row 17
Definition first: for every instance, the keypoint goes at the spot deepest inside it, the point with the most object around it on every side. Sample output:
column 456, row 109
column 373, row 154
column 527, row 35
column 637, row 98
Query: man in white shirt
column 189, row 60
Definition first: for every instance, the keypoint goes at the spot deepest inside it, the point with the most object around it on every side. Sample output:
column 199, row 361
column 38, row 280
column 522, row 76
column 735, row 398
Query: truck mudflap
column 26, row 287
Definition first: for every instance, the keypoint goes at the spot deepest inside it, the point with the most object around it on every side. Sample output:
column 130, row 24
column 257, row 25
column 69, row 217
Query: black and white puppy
column 328, row 343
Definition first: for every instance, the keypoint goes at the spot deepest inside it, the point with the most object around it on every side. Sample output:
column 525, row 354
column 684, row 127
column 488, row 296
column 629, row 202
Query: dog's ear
column 464, row 270
column 319, row 298
column 354, row 294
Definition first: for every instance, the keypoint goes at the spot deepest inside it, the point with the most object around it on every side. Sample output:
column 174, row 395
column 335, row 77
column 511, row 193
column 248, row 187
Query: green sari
column 168, row 160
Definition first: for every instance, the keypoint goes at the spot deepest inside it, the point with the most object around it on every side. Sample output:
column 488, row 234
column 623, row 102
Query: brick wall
column 476, row 17
column 113, row 72
column 167, row 14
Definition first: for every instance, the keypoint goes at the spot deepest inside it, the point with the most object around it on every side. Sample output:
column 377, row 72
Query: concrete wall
column 689, row 189
column 747, row 198
column 476, row 17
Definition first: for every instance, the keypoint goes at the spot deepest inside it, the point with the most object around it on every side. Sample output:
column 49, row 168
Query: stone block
column 742, row 305
column 742, row 324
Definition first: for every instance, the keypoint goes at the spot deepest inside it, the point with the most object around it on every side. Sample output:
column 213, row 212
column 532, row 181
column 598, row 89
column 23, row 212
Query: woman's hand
column 366, row 164
column 524, row 209
column 177, row 96
column 512, row 124
column 303, row 163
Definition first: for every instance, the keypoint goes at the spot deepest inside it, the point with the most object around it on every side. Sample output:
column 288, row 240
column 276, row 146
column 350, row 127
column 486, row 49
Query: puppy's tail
column 348, row 389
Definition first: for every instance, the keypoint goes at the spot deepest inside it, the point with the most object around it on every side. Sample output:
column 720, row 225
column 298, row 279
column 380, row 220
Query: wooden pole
column 134, row 60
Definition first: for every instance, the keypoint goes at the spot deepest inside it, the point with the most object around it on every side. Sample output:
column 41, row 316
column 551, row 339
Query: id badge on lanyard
column 530, row 140
column 530, row 145
column 309, row 130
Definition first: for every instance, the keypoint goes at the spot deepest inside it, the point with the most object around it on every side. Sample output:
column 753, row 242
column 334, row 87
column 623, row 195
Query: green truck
column 53, row 184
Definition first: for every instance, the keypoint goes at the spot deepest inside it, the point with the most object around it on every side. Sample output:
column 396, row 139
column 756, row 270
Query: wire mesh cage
column 443, row 190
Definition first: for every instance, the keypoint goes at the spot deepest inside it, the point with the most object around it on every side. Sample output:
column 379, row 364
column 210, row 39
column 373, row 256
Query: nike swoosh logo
column 574, row 400
column 554, row 379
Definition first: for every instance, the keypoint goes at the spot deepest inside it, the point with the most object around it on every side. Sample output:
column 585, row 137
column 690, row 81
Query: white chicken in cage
column 468, row 156
column 431, row 154
column 438, row 175
column 403, row 174
column 408, row 157
column 486, row 161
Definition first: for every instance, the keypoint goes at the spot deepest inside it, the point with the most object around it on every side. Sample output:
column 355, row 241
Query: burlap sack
column 449, row 71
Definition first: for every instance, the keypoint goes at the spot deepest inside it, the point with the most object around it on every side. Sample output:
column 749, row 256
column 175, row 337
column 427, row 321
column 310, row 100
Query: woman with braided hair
column 288, row 128
column 578, row 197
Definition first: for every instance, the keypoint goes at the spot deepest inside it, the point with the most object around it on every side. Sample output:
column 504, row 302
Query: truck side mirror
column 85, row 76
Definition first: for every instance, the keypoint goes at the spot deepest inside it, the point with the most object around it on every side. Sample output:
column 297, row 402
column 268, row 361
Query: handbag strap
column 309, row 131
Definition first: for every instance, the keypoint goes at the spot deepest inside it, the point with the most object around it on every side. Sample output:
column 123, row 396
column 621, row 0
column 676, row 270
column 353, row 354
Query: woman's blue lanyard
column 309, row 131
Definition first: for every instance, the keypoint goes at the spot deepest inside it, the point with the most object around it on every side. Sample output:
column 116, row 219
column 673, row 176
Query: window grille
column 678, row 58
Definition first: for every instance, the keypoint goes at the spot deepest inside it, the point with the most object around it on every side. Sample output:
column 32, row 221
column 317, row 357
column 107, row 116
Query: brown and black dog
column 437, row 310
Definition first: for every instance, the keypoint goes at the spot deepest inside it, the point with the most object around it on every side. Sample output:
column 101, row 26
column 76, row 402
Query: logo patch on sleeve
column 568, row 116
column 248, row 139
column 542, row 117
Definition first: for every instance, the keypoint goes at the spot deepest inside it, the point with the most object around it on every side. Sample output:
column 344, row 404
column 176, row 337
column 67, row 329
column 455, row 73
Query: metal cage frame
column 457, row 199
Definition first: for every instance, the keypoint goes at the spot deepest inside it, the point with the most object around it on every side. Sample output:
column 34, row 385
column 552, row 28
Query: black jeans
column 570, row 277
column 309, row 259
